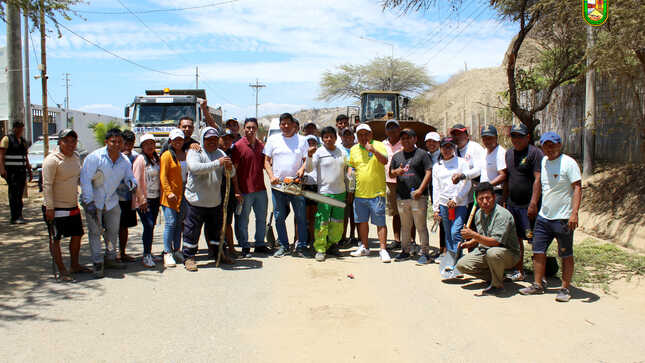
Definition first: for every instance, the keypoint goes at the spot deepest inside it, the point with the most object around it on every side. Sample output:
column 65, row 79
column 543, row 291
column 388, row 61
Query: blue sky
column 287, row 45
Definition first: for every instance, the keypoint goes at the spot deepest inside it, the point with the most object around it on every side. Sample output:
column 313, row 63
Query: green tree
column 559, row 30
column 54, row 9
column 384, row 73
column 100, row 129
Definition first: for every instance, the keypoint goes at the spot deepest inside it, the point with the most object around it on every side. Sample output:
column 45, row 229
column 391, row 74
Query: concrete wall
column 620, row 133
column 81, row 121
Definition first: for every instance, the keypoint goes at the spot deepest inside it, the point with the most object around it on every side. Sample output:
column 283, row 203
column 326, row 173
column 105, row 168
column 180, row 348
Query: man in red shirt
column 249, row 164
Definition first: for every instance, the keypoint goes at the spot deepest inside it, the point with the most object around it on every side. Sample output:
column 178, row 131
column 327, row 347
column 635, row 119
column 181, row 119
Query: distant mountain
column 321, row 116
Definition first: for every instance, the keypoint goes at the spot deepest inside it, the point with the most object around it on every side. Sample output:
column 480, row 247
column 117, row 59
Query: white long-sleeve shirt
column 443, row 189
column 475, row 155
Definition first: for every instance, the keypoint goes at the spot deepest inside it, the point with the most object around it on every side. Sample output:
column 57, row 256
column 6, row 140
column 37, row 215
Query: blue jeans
column 281, row 211
column 258, row 201
column 173, row 227
column 148, row 219
column 453, row 228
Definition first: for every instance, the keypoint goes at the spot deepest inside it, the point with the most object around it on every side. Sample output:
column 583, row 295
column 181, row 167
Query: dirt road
column 267, row 309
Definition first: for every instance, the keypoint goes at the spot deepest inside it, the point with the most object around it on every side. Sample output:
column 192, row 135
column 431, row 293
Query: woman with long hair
column 146, row 170
column 173, row 174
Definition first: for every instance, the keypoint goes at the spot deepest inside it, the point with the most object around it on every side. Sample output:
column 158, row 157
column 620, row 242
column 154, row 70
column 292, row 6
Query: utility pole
column 196, row 77
column 14, row 64
column 43, row 77
column 590, row 113
column 257, row 87
column 66, row 75
column 25, row 49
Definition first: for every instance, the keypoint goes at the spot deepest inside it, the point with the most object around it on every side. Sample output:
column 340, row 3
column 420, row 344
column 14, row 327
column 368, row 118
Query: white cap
column 145, row 138
column 363, row 127
column 434, row 136
column 175, row 133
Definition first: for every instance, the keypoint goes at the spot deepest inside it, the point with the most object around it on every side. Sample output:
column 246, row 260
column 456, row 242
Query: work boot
column 190, row 264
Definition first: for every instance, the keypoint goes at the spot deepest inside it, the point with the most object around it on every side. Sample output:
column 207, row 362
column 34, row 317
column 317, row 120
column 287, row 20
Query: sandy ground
column 267, row 309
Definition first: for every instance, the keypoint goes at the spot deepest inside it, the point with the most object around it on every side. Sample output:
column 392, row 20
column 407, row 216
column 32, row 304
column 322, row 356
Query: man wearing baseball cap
column 558, row 216
column 234, row 126
column 522, row 188
column 392, row 145
column 368, row 158
column 203, row 195
column 412, row 168
column 61, row 172
column 473, row 153
column 495, row 170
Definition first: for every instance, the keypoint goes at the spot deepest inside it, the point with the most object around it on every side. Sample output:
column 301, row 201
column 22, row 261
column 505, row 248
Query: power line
column 35, row 54
column 156, row 10
column 437, row 39
column 168, row 45
column 454, row 37
column 120, row 57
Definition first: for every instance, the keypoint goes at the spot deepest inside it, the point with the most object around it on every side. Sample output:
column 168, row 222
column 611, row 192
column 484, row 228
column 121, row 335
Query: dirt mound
column 613, row 204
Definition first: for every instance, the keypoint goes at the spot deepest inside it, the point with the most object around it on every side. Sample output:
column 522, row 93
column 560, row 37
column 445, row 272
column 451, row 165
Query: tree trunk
column 590, row 113
column 14, row 65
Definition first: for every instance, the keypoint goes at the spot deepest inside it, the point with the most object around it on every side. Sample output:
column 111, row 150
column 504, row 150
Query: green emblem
column 595, row 12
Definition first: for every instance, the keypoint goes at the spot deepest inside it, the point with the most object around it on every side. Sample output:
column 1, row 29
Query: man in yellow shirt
column 368, row 158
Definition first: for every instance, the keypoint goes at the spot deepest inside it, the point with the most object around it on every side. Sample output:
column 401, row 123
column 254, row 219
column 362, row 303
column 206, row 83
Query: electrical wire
column 121, row 57
column 167, row 45
column 156, row 10
column 35, row 54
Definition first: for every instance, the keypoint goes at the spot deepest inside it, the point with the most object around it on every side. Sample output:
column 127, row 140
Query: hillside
column 321, row 116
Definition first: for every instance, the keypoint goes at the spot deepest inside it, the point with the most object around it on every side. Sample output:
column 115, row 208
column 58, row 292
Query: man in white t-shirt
column 473, row 153
column 558, row 216
column 330, row 164
column 495, row 171
column 285, row 154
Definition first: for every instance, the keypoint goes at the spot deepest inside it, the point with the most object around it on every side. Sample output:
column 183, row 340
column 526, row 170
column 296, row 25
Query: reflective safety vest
column 15, row 158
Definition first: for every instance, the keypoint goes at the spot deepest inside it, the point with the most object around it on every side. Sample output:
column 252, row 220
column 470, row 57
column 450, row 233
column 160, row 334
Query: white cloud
column 242, row 112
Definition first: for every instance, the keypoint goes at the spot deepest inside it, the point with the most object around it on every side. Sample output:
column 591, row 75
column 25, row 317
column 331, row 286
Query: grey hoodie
column 205, row 176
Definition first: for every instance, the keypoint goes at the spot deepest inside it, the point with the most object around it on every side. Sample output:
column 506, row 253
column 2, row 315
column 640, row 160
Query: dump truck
column 377, row 107
column 159, row 111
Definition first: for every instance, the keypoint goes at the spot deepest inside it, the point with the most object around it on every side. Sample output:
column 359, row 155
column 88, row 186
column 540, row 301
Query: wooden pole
column 43, row 76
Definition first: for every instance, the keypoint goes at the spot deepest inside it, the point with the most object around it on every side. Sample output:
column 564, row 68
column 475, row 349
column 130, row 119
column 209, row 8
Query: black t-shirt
column 418, row 162
column 520, row 166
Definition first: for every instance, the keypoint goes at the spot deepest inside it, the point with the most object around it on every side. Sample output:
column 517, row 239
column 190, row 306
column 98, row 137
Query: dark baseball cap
column 458, row 127
column 346, row 130
column 520, row 129
column 409, row 132
column 447, row 141
column 231, row 119
column 67, row 132
column 489, row 130
column 391, row 123
column 228, row 132
column 211, row 133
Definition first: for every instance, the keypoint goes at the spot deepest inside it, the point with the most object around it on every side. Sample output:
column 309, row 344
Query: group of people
column 524, row 193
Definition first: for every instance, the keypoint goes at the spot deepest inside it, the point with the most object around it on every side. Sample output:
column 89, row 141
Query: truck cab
column 379, row 105
column 159, row 111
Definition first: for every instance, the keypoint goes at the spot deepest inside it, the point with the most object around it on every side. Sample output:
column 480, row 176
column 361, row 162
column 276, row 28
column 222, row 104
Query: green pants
column 328, row 224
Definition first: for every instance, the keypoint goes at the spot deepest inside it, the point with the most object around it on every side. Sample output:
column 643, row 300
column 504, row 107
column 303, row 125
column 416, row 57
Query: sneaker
column 394, row 246
column 98, row 271
column 563, row 295
column 345, row 243
column 190, row 264
column 168, row 260
column 178, row 256
column 114, row 265
column 534, row 289
column 246, row 252
column 148, row 261
column 361, row 251
column 544, row 283
column 402, row 256
column 299, row 252
column 333, row 250
column 157, row 258
column 262, row 249
column 320, row 256
column 515, row 276
column 21, row 221
column 385, row 257
column 281, row 252
column 424, row 260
